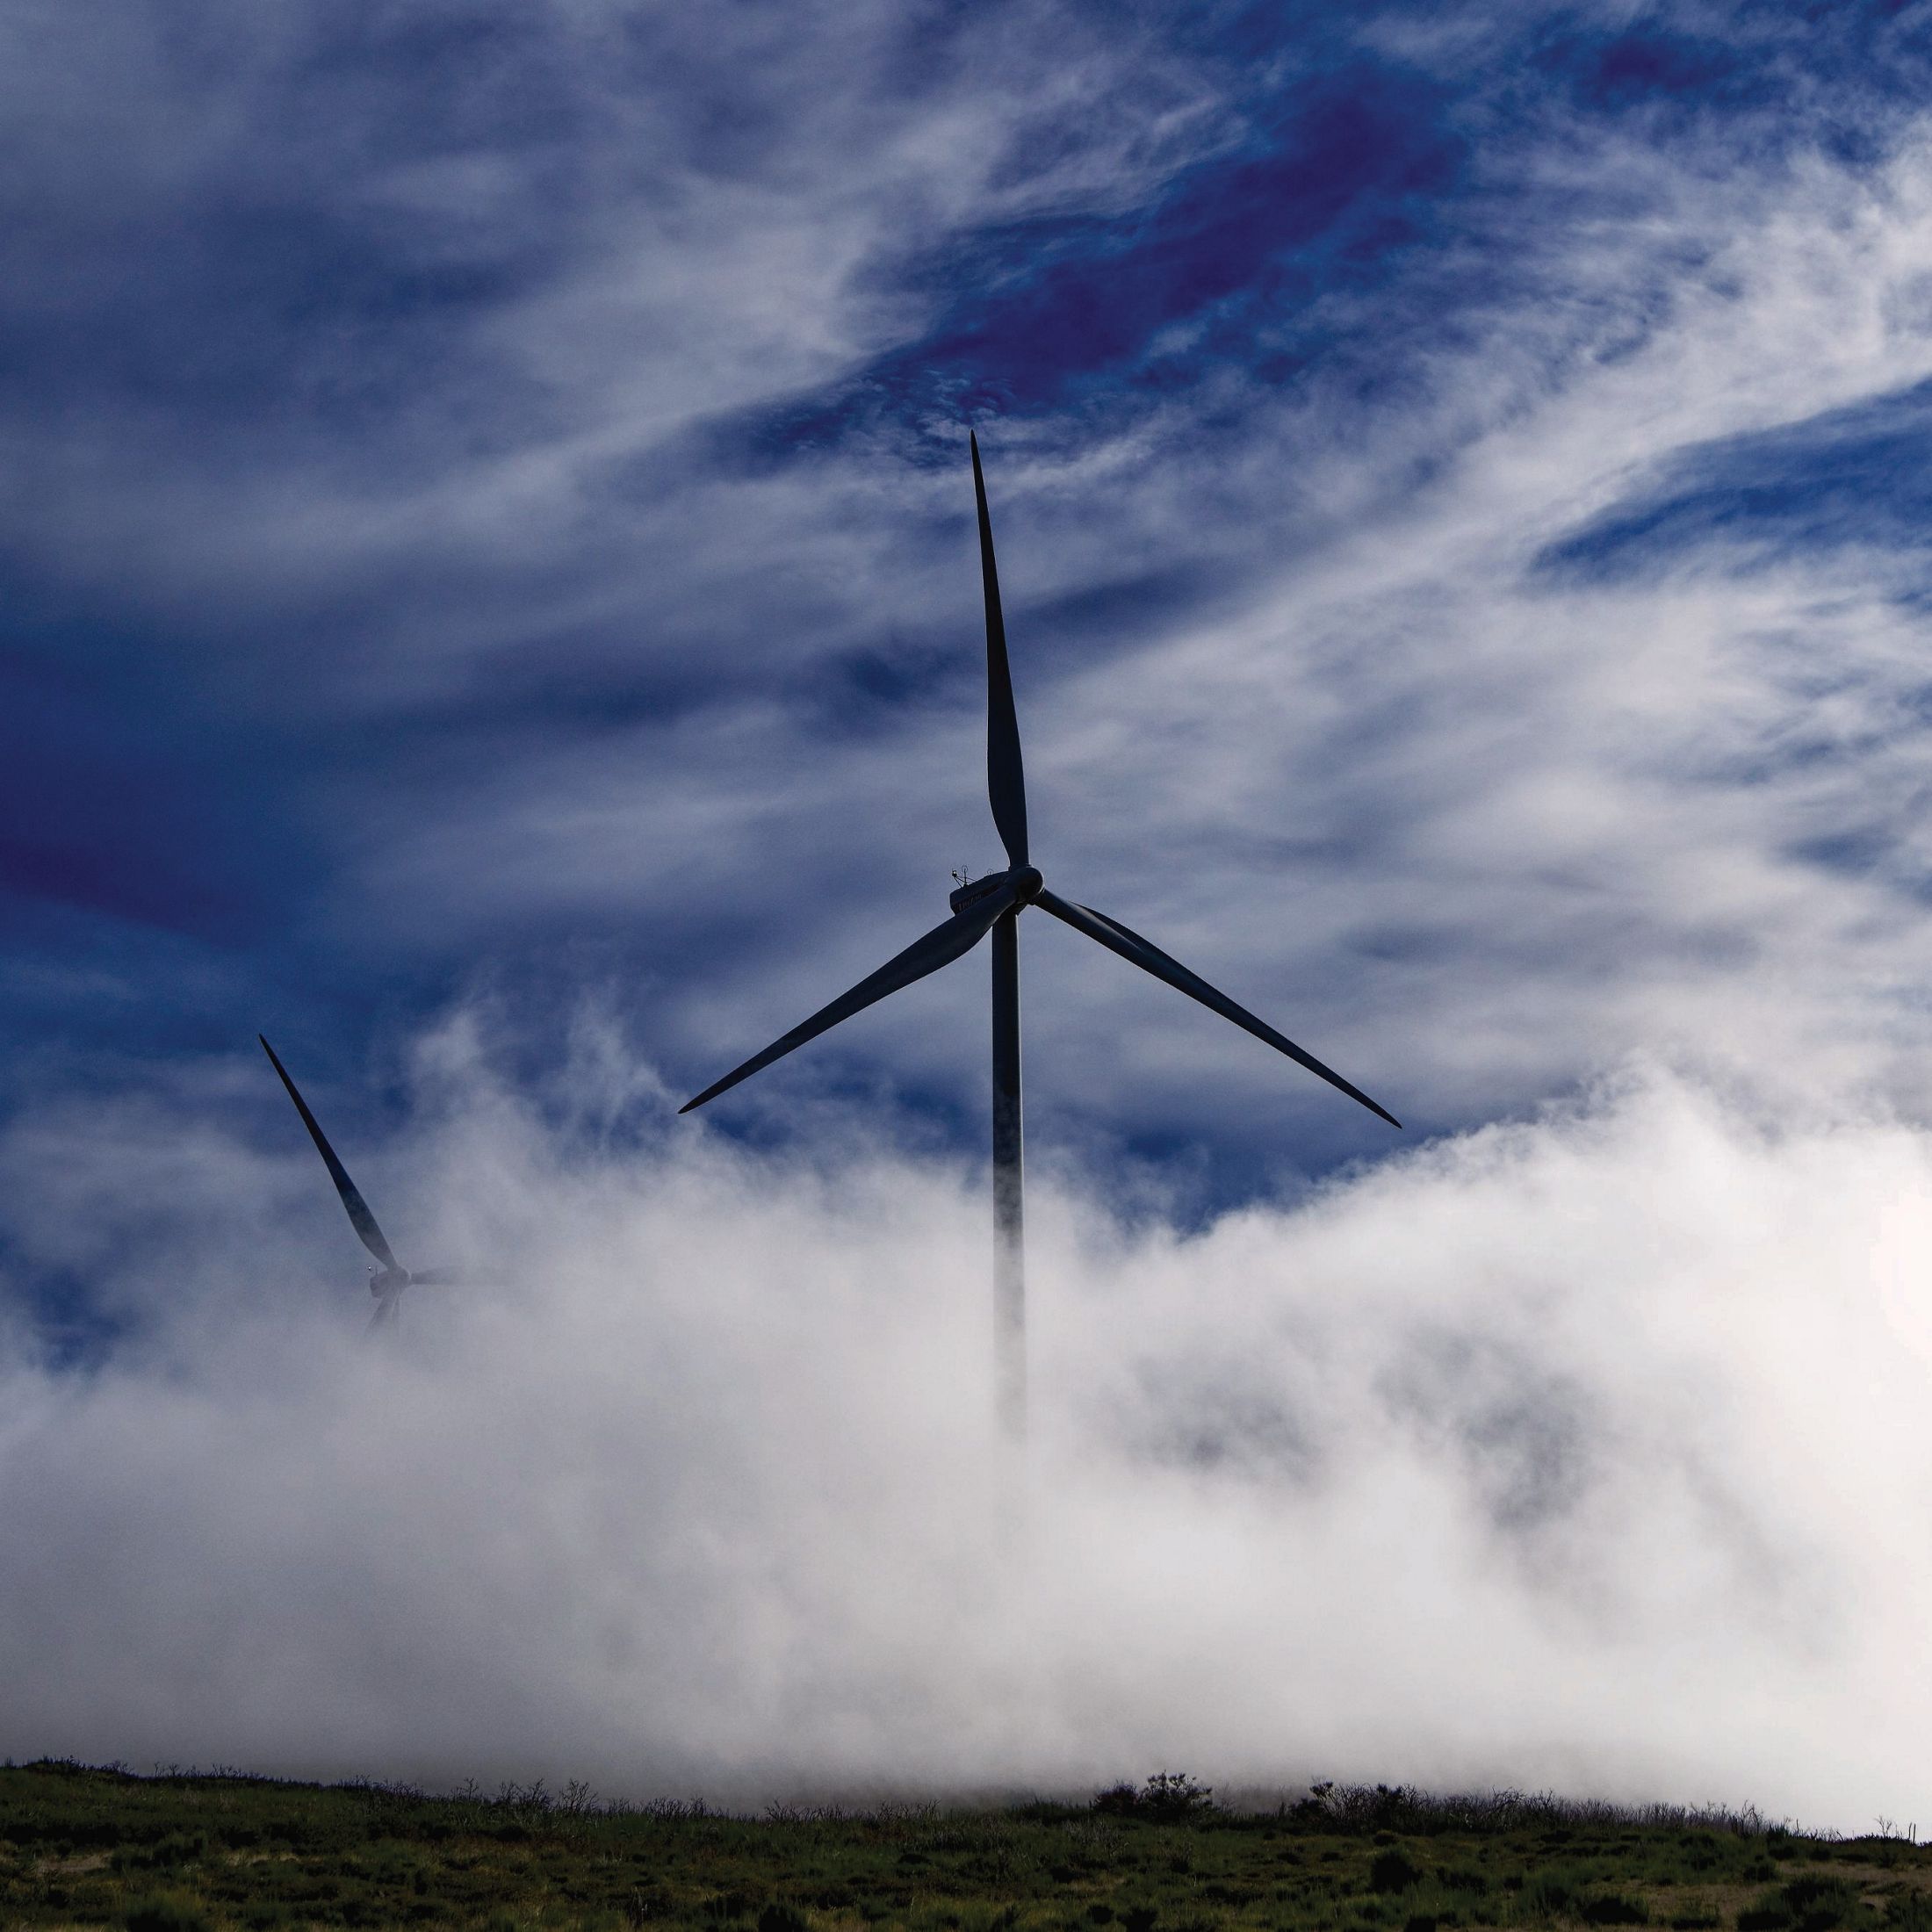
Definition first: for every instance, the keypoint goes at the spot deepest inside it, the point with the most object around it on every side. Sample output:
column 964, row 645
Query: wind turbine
column 993, row 905
column 387, row 1284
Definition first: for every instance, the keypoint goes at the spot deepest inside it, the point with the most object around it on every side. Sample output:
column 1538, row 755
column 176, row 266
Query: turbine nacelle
column 1024, row 880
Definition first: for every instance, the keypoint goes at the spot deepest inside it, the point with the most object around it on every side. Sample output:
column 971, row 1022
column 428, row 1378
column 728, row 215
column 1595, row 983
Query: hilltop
column 171, row 1853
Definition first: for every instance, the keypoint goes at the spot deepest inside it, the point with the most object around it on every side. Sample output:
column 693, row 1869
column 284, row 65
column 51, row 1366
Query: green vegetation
column 191, row 1854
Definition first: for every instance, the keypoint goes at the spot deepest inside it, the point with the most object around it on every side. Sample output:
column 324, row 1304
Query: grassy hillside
column 81, row 1847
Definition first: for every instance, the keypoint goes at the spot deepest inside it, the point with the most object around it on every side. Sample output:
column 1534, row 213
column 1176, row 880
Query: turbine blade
column 939, row 947
column 385, row 1313
column 365, row 1223
column 1151, row 959
column 457, row 1278
column 1005, row 781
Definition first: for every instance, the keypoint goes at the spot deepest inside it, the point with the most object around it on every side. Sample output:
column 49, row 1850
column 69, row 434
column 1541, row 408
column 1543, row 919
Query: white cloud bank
column 1594, row 1451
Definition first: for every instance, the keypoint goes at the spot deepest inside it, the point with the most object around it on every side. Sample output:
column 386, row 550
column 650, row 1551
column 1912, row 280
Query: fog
column 1592, row 1451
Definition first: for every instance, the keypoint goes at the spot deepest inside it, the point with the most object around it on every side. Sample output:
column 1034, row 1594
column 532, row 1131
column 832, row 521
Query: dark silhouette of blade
column 359, row 1208
column 1151, row 959
column 457, row 1278
column 386, row 1312
column 1005, row 781
column 939, row 948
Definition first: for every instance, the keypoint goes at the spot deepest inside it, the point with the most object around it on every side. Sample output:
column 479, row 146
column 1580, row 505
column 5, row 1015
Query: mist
column 1591, row 1451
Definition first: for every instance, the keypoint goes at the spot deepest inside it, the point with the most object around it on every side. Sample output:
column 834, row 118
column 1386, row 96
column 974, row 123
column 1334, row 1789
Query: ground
column 82, row 1847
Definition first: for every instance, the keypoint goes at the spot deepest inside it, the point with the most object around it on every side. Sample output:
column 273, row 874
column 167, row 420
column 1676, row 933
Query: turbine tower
column 993, row 905
column 386, row 1283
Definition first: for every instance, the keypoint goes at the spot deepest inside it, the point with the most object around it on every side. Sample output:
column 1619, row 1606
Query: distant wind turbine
column 387, row 1283
column 993, row 905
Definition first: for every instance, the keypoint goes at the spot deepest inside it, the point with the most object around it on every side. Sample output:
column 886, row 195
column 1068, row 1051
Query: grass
column 82, row 1847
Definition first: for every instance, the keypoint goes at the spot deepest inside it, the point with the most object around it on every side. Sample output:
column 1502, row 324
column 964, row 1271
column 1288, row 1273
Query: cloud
column 497, row 498
column 488, row 515
column 1411, row 792
column 1853, row 478
column 1589, row 1452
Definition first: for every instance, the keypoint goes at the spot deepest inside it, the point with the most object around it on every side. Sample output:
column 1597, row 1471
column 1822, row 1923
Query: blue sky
column 487, row 520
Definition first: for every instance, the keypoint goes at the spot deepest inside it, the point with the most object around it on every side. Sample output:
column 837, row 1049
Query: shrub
column 1818, row 1902
column 1547, row 1896
column 165, row 1854
column 780, row 1917
column 1811, row 1902
column 1392, row 1872
column 1167, row 1798
column 167, row 1911
column 1613, row 1908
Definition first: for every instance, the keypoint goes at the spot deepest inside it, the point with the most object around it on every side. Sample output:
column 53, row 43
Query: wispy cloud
column 495, row 485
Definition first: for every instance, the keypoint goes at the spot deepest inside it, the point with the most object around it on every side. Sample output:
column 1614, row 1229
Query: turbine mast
column 1009, row 1203
column 990, row 907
